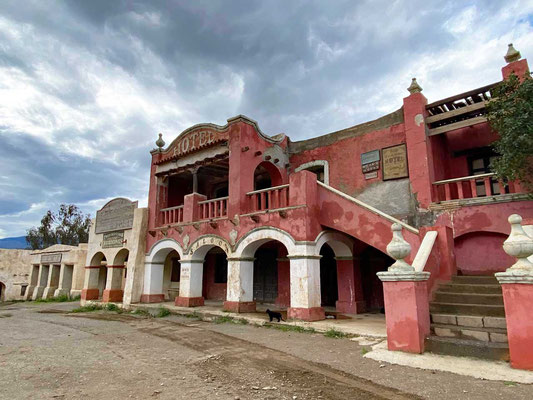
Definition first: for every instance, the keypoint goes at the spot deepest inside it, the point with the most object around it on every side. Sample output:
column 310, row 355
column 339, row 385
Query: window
column 221, row 268
column 319, row 167
column 176, row 270
column 481, row 165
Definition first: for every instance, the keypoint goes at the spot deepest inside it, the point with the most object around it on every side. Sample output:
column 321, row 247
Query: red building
column 242, row 217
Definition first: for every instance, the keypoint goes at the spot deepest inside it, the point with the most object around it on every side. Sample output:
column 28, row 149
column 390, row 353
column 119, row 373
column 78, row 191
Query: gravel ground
column 48, row 353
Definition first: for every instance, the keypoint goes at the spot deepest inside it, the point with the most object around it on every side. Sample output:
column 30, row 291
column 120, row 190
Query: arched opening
column 215, row 275
column 266, row 175
column 329, row 291
column 373, row 261
column 121, row 259
column 481, row 253
column 2, row 291
column 100, row 260
column 171, row 275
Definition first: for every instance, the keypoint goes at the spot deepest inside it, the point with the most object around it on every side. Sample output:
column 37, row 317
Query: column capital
column 241, row 258
column 343, row 258
column 403, row 276
column 303, row 256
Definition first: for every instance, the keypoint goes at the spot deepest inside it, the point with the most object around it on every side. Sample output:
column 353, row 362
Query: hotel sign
column 395, row 162
column 116, row 215
column 192, row 141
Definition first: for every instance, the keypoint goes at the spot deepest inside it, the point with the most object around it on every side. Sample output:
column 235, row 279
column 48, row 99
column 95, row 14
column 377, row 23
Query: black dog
column 274, row 315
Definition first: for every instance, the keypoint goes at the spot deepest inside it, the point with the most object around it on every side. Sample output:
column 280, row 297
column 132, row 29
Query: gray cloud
column 86, row 85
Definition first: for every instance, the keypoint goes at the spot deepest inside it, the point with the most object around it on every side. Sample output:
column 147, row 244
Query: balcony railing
column 269, row 198
column 214, row 208
column 171, row 215
column 469, row 187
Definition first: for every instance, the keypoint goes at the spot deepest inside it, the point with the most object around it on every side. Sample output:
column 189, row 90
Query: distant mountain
column 13, row 243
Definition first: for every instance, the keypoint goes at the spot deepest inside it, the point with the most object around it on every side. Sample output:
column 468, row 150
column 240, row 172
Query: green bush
column 335, row 334
column 88, row 308
column 162, row 313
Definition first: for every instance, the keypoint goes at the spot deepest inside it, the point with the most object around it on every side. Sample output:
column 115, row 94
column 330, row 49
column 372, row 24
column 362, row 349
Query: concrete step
column 473, row 321
column 467, row 309
column 496, row 335
column 468, row 298
column 467, row 348
column 470, row 288
column 475, row 279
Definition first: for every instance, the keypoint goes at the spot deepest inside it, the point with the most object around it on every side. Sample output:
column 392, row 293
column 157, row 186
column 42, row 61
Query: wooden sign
column 395, row 162
column 116, row 215
column 113, row 239
column 53, row 258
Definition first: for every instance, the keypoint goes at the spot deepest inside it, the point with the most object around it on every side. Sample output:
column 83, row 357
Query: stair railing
column 424, row 251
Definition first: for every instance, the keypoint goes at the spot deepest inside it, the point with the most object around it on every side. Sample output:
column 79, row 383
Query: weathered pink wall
column 480, row 253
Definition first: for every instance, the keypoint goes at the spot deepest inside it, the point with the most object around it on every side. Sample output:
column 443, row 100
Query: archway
column 2, row 291
column 162, row 272
column 215, row 275
column 121, row 262
column 329, row 291
column 100, row 261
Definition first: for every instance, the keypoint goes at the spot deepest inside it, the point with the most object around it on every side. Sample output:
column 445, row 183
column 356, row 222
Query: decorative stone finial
column 398, row 249
column 160, row 142
column 512, row 54
column 414, row 87
column 519, row 245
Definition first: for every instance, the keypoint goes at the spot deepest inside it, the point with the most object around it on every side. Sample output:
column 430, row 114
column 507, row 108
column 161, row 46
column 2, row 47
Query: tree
column 510, row 113
column 68, row 226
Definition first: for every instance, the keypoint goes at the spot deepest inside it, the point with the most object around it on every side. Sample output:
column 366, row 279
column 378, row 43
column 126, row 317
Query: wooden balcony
column 171, row 215
column 215, row 208
column 269, row 198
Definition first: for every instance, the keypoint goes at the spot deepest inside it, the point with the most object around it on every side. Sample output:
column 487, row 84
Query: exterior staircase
column 468, row 319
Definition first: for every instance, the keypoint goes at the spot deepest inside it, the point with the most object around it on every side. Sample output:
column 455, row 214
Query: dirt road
column 46, row 352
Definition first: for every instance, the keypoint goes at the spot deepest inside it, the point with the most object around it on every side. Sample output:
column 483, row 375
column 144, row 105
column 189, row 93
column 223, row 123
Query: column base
column 189, row 301
column 90, row 294
column 60, row 292
column 37, row 292
column 306, row 314
column 112, row 295
column 239, row 306
column 351, row 307
column 29, row 292
column 152, row 298
column 49, row 292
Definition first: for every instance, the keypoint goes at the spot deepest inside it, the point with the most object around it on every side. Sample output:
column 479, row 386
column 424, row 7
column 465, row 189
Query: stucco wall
column 14, row 271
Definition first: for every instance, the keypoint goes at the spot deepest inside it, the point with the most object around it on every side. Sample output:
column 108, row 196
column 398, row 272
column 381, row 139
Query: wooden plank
column 482, row 89
column 456, row 125
column 454, row 113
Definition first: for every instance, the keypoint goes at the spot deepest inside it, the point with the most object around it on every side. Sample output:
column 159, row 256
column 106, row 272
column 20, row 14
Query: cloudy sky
column 85, row 86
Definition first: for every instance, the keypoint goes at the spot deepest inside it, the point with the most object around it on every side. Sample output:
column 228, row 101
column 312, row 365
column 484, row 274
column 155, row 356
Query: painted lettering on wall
column 196, row 140
column 395, row 162
column 210, row 241
column 51, row 258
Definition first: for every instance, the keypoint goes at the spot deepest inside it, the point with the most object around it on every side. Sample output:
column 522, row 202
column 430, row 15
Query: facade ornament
column 519, row 245
column 512, row 54
column 399, row 248
column 186, row 240
column 414, row 87
column 233, row 237
column 160, row 142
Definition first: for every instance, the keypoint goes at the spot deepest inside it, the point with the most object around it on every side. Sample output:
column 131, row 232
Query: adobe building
column 240, row 217
column 14, row 273
column 55, row 271
column 115, row 255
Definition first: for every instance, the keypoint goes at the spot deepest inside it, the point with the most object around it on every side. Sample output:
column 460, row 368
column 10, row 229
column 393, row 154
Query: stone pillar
column 240, row 292
column 515, row 65
column 360, row 303
column 153, row 283
column 305, row 288
column 113, row 291
column 346, row 286
column 43, row 280
column 191, row 278
column 191, row 210
column 65, row 280
column 284, row 282
column 517, row 287
column 406, row 299
column 90, row 289
column 34, row 279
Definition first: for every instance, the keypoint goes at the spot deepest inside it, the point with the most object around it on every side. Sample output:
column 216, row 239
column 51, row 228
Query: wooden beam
column 456, row 125
column 454, row 113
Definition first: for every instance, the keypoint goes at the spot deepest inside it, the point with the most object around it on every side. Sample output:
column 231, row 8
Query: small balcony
column 474, row 189
column 269, row 198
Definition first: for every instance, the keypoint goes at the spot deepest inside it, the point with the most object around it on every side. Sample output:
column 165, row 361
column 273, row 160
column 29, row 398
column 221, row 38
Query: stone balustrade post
column 406, row 299
column 517, row 288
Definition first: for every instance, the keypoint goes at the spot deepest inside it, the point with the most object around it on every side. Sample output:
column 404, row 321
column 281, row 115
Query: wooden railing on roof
column 458, row 111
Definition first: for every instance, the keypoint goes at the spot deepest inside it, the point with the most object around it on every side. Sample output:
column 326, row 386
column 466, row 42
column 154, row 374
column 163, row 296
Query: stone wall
column 14, row 272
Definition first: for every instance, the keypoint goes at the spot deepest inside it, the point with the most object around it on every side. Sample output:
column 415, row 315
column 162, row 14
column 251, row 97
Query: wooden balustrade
column 269, row 198
column 473, row 186
column 171, row 215
column 214, row 208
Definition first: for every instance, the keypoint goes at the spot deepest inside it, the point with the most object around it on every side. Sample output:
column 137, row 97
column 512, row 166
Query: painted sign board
column 53, row 258
column 113, row 239
column 369, row 157
column 116, row 215
column 395, row 162
column 371, row 175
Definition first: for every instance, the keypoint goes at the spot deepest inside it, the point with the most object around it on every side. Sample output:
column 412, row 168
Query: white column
column 34, row 279
column 305, row 281
column 191, row 277
column 53, row 281
column 240, row 280
column 43, row 280
column 153, row 278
